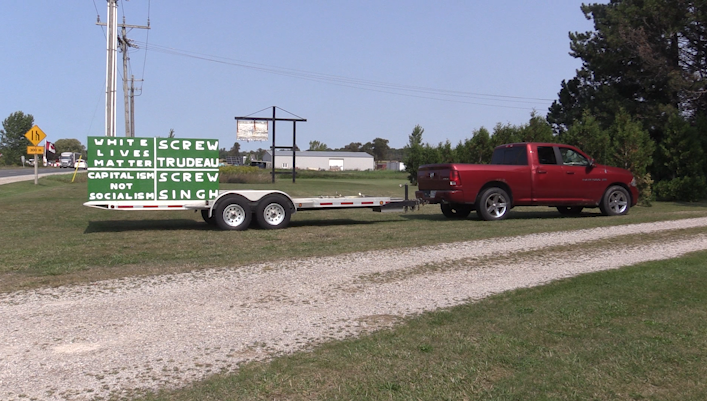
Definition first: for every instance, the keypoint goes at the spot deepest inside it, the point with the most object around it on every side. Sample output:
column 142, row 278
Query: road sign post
column 35, row 135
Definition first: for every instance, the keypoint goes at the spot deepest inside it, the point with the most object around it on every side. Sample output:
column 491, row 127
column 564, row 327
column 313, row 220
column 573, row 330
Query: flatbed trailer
column 183, row 174
column 271, row 209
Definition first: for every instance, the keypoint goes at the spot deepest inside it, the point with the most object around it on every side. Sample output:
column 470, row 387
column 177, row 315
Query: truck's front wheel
column 233, row 213
column 616, row 201
column 273, row 212
column 493, row 204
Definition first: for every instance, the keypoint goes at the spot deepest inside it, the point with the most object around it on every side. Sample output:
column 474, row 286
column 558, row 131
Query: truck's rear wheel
column 455, row 211
column 493, row 204
column 616, row 201
column 233, row 213
column 273, row 212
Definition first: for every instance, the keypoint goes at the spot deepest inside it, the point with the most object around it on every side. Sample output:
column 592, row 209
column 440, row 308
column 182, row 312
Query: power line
column 377, row 86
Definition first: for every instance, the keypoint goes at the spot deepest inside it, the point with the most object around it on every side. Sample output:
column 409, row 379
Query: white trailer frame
column 272, row 209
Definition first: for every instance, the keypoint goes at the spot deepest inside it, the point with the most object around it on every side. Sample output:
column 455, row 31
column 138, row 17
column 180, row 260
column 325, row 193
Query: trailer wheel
column 493, row 204
column 209, row 220
column 233, row 213
column 455, row 211
column 273, row 212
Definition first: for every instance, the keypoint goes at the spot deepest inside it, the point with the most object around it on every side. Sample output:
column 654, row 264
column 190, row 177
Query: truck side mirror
column 592, row 163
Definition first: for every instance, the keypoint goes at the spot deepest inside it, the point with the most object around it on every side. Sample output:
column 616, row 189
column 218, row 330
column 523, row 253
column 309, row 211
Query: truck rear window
column 546, row 155
column 515, row 156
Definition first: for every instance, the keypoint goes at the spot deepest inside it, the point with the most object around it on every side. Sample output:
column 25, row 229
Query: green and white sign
column 152, row 169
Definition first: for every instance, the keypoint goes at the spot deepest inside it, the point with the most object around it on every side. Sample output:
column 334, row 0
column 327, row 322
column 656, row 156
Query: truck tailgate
column 435, row 177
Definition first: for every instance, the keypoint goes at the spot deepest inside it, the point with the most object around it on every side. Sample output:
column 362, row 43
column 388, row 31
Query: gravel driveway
column 121, row 336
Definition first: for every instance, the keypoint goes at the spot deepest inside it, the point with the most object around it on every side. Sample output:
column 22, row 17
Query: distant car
column 80, row 164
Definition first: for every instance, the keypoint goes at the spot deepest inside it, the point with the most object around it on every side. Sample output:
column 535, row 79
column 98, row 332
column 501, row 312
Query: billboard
column 152, row 169
column 251, row 130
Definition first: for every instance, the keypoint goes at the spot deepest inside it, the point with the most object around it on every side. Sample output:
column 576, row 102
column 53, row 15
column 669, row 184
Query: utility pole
column 124, row 43
column 111, row 67
column 132, row 104
column 111, row 38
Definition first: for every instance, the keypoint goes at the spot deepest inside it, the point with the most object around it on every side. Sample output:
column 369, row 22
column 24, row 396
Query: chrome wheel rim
column 618, row 202
column 234, row 215
column 274, row 214
column 496, row 205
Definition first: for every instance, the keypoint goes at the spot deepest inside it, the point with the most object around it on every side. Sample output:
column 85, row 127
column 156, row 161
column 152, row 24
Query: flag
column 50, row 147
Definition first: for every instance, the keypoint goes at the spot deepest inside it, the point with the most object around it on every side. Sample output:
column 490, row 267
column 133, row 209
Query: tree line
column 639, row 101
column 644, row 68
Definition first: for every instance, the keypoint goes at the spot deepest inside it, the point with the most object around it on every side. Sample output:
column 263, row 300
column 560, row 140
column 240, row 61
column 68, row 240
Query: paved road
column 27, row 174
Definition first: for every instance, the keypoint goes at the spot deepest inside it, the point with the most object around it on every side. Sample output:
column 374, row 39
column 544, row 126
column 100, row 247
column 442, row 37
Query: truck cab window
column 546, row 155
column 515, row 156
column 572, row 158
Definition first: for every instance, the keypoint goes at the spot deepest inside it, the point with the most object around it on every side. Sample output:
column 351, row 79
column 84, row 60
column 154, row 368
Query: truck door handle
column 570, row 172
column 542, row 172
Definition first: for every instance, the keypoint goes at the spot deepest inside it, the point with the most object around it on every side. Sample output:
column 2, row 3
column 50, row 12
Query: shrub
column 690, row 189
column 243, row 175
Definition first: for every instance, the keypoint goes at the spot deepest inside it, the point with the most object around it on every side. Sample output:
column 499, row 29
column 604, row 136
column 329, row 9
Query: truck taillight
column 454, row 179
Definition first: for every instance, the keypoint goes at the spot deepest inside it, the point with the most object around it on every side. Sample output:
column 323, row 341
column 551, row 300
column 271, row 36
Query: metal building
column 329, row 160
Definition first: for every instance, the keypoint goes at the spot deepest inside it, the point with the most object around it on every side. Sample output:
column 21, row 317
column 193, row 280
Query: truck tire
column 273, row 212
column 455, row 211
column 615, row 202
column 233, row 213
column 493, row 204
column 570, row 210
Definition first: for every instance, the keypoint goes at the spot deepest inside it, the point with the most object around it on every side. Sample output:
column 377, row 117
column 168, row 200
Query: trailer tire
column 233, row 213
column 273, row 212
column 494, row 204
column 209, row 220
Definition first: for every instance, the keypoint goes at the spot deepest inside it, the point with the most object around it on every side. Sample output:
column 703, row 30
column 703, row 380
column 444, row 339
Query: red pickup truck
column 527, row 174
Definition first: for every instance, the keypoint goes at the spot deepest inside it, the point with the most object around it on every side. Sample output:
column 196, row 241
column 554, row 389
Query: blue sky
column 353, row 69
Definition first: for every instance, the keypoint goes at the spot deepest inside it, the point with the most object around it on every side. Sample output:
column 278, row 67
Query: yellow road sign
column 35, row 150
column 35, row 135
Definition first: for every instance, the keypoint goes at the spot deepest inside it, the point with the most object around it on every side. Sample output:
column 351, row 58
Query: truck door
column 586, row 183
column 549, row 176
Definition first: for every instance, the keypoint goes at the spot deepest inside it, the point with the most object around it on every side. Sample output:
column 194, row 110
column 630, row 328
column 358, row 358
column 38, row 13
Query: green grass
column 49, row 238
column 638, row 333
